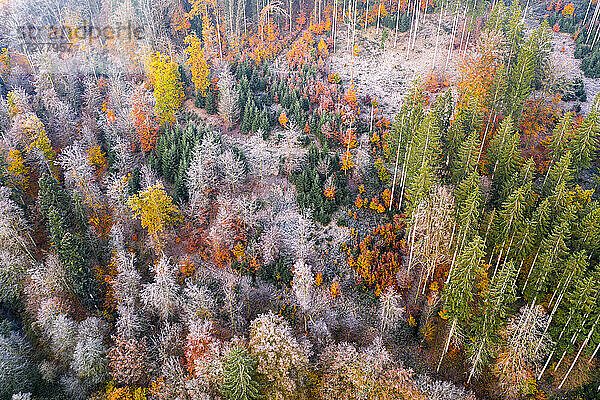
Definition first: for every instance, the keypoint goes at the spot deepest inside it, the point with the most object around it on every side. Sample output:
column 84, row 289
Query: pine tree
column 239, row 376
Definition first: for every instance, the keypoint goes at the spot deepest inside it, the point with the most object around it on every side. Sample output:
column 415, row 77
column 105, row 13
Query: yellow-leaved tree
column 168, row 88
column 18, row 172
column 196, row 60
column 156, row 211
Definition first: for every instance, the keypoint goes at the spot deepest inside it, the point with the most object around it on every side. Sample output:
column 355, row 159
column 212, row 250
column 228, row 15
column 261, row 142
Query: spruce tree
column 549, row 254
column 485, row 333
column 504, row 155
column 584, row 144
column 458, row 291
column 239, row 376
column 466, row 159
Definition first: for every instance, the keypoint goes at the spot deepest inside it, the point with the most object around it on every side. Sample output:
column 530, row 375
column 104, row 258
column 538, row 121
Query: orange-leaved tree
column 144, row 119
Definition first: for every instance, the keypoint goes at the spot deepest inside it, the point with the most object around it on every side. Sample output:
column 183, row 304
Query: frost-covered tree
column 434, row 389
column 523, row 350
column 302, row 284
column 205, row 355
column 234, row 169
column 21, row 396
column 162, row 296
column 89, row 356
column 350, row 373
column 390, row 309
column 79, row 174
column 228, row 107
column 198, row 302
column 14, row 247
column 203, row 174
column 127, row 286
column 281, row 359
column 129, row 361
column 16, row 371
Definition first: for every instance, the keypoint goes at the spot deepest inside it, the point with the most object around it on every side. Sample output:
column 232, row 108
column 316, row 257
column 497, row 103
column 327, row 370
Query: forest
column 301, row 199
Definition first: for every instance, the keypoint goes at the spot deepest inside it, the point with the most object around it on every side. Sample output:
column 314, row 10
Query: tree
column 144, row 119
column 228, row 93
column 212, row 98
column 504, row 154
column 168, row 88
column 18, row 172
column 196, row 60
column 155, row 209
column 520, row 354
column 129, row 362
column 458, row 293
column 239, row 376
column 162, row 296
column 79, row 174
column 280, row 358
column 584, row 144
column 352, row 374
column 15, row 243
column 16, row 370
column 390, row 310
column 233, row 168
column 302, row 284
column 485, row 338
column 203, row 173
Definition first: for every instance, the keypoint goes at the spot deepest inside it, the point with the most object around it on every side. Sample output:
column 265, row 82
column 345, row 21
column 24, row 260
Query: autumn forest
column 299, row 199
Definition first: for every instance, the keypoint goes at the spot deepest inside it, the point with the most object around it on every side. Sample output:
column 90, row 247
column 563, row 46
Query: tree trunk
column 447, row 345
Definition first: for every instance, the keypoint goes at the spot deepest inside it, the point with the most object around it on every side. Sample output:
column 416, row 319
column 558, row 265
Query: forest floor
column 563, row 63
column 387, row 72
column 563, row 60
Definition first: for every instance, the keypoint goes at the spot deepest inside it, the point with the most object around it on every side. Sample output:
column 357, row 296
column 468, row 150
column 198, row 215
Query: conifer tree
column 584, row 144
column 552, row 249
column 466, row 123
column 559, row 141
column 239, row 376
column 458, row 292
column 510, row 221
column 485, row 335
column 466, row 159
column 504, row 155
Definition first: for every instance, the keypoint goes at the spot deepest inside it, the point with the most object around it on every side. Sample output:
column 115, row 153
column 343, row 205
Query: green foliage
column 310, row 184
column 173, row 154
column 458, row 292
column 584, row 144
column 239, row 376
column 68, row 233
